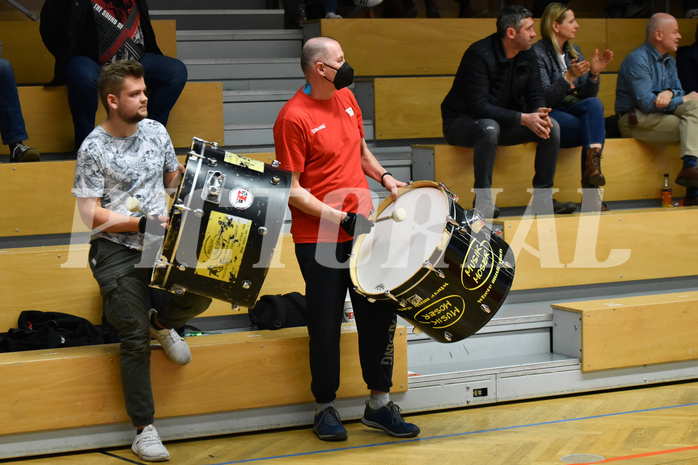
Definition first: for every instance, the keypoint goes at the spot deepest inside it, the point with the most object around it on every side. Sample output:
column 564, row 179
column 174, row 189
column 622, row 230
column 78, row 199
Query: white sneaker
column 173, row 344
column 331, row 15
column 148, row 446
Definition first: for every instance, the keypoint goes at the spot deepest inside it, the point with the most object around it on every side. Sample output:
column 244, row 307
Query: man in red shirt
column 319, row 136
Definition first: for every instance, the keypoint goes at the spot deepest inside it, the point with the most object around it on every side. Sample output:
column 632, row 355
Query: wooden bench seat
column 58, row 278
column 628, row 332
column 633, row 169
column 612, row 247
column 78, row 387
column 198, row 112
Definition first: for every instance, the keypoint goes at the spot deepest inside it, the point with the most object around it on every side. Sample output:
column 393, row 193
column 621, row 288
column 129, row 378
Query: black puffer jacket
column 68, row 28
column 488, row 85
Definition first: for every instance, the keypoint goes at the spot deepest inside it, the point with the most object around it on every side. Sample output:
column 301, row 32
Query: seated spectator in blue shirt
column 651, row 103
column 12, row 127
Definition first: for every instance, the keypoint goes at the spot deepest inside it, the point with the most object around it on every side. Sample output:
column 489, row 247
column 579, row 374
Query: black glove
column 355, row 224
column 152, row 226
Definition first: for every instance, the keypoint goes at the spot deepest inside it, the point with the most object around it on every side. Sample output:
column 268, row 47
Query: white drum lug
column 246, row 284
column 164, row 263
column 275, row 163
column 427, row 264
column 180, row 207
column 391, row 296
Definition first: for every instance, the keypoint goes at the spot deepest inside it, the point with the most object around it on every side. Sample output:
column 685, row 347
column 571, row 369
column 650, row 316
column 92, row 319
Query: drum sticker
column 480, row 267
column 235, row 159
column 442, row 313
column 223, row 247
column 241, row 198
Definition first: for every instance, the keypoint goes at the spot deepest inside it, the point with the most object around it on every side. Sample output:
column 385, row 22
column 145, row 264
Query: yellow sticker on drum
column 235, row 159
column 223, row 246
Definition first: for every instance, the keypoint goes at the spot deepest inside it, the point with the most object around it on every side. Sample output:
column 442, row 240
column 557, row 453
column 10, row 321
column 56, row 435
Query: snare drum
column 225, row 222
column 445, row 271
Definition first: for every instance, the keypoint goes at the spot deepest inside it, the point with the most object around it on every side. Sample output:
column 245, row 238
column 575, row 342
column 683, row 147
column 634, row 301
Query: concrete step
column 224, row 44
column 248, row 73
column 253, row 107
column 261, row 135
column 232, row 19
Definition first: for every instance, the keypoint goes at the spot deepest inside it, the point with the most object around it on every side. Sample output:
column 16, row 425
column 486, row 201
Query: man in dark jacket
column 84, row 35
column 497, row 99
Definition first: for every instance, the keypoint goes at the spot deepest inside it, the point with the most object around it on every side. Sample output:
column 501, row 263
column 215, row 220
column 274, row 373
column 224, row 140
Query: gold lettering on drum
column 443, row 313
column 223, row 246
column 477, row 265
column 494, row 279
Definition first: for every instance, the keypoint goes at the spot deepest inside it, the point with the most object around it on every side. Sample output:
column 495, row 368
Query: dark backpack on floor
column 278, row 311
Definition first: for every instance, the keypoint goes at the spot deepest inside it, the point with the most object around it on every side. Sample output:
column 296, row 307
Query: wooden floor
column 640, row 426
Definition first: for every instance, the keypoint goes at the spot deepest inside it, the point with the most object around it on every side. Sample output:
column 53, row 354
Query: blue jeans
column 581, row 124
column 12, row 127
column 165, row 78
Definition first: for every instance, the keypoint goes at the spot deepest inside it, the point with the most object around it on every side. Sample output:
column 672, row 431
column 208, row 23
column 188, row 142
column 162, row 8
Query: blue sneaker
column 389, row 419
column 328, row 426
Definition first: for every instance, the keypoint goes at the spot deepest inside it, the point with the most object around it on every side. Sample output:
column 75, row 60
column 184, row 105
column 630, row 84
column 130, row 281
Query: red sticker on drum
column 241, row 198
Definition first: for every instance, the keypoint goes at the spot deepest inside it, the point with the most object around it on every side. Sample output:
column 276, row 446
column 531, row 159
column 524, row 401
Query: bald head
column 663, row 32
column 314, row 50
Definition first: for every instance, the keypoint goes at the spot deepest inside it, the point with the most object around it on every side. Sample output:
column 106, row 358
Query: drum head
column 395, row 250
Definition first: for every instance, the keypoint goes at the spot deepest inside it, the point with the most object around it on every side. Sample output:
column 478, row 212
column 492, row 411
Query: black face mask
column 343, row 77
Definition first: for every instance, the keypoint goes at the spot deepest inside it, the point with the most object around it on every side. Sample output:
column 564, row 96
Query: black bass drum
column 444, row 270
column 225, row 222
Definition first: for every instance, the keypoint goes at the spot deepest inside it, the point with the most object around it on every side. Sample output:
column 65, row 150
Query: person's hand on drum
column 356, row 224
column 391, row 184
column 151, row 225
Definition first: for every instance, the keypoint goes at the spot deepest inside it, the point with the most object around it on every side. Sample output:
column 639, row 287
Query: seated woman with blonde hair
column 571, row 84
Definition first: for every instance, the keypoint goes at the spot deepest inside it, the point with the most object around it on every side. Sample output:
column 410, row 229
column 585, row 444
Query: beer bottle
column 667, row 198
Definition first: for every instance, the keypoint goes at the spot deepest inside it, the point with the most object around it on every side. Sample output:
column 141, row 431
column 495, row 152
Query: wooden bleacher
column 56, row 277
column 198, row 111
column 408, row 91
column 633, row 169
column 628, row 332
column 79, row 387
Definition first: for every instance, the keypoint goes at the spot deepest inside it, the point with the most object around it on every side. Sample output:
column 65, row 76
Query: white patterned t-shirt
column 117, row 168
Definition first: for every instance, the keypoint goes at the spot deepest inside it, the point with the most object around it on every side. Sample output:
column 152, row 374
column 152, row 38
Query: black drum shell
column 269, row 187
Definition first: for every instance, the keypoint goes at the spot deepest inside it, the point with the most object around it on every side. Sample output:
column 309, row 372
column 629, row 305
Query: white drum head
column 394, row 251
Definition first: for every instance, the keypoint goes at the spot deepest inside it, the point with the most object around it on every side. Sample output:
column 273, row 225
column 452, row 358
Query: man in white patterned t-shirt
column 131, row 156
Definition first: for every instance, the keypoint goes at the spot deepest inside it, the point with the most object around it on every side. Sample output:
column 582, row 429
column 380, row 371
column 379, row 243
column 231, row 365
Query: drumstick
column 398, row 215
column 134, row 205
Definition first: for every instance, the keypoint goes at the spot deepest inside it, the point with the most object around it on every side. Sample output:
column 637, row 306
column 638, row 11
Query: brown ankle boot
column 592, row 168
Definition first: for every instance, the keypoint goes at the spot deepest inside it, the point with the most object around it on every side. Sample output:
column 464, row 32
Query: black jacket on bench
column 488, row 85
